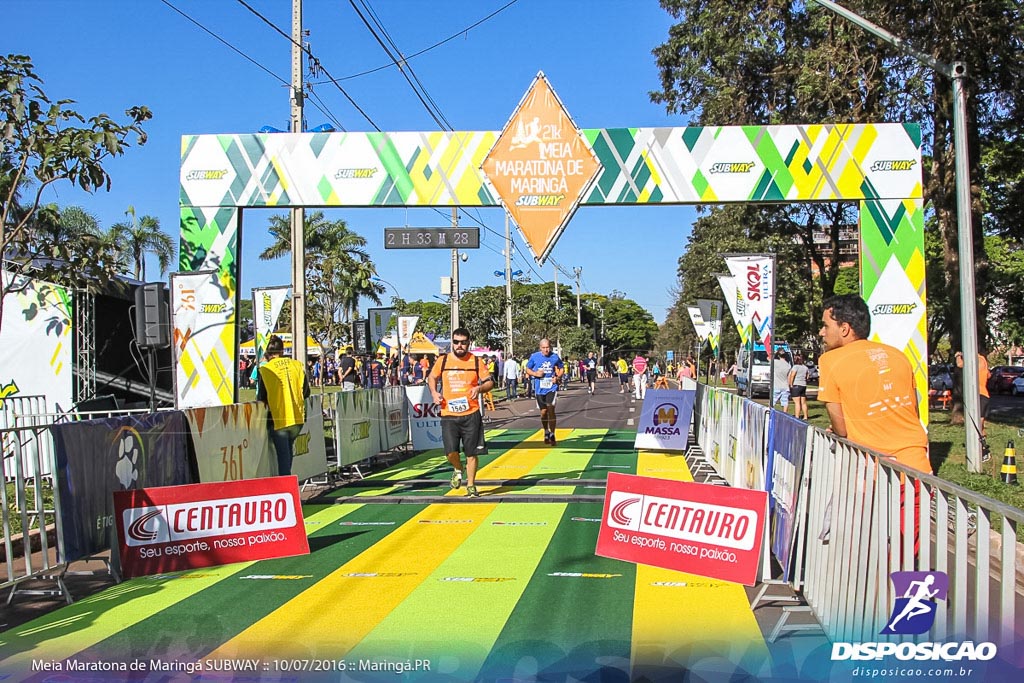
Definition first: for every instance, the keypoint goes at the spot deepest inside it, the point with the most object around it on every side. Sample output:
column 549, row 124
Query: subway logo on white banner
column 200, row 519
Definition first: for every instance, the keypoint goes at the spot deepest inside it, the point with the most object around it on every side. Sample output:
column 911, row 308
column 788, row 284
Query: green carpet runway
column 483, row 591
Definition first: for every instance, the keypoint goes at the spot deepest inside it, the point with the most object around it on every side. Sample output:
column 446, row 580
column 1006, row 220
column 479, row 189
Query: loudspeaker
column 152, row 316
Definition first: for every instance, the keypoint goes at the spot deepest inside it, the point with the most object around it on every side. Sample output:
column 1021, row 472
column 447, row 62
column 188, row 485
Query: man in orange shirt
column 868, row 388
column 983, row 375
column 463, row 379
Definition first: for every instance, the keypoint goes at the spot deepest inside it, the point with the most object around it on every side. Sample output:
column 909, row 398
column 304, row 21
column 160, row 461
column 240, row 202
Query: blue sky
column 109, row 55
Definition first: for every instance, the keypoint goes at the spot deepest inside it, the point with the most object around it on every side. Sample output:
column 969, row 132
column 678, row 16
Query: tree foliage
column 139, row 236
column 44, row 142
column 775, row 61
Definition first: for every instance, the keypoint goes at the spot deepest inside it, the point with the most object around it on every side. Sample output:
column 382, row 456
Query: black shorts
column 984, row 406
column 591, row 375
column 548, row 399
column 466, row 431
column 798, row 391
column 623, row 378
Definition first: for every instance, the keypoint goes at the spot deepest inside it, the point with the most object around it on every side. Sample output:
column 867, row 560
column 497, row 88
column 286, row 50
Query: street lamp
column 957, row 73
column 374, row 278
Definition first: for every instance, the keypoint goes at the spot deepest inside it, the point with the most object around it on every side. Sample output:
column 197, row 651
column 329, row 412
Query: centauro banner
column 755, row 280
column 541, row 166
column 737, row 305
column 267, row 303
column 203, row 315
column 711, row 312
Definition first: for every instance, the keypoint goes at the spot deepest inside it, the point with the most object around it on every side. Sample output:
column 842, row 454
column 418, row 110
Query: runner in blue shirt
column 546, row 368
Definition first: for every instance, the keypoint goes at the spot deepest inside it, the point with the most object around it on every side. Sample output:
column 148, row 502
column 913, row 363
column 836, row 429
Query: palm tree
column 143, row 236
column 338, row 270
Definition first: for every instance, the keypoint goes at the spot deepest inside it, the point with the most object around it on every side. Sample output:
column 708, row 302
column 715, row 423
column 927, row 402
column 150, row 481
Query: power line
column 434, row 46
column 242, row 54
column 315, row 64
column 390, row 49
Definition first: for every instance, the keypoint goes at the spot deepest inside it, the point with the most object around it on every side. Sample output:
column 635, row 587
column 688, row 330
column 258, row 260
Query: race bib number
column 458, row 405
column 546, row 383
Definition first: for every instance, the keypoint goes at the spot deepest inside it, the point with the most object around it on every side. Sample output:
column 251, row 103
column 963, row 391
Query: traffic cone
column 1009, row 470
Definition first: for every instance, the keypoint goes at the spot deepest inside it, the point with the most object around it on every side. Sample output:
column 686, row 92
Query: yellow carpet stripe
column 561, row 463
column 306, row 626
column 399, row 472
column 459, row 612
column 704, row 617
column 153, row 595
column 513, row 464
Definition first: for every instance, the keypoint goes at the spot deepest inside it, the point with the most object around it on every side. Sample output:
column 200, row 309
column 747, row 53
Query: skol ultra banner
column 755, row 279
column 98, row 457
column 702, row 529
column 665, row 420
column 541, row 166
column 203, row 317
column 424, row 418
column 267, row 303
column 711, row 312
column 175, row 528
column 737, row 305
column 36, row 342
column 231, row 442
column 697, row 318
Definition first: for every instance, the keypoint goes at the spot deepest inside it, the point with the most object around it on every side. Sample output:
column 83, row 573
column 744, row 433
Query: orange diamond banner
column 541, row 166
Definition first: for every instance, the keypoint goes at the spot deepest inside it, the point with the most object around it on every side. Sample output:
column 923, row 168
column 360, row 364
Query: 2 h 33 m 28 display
column 431, row 238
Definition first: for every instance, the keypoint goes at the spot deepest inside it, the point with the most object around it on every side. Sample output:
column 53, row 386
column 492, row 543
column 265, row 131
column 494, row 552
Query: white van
column 759, row 379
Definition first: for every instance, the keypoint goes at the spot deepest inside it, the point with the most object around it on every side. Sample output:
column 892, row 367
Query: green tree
column 435, row 317
column 45, row 142
column 140, row 236
column 339, row 272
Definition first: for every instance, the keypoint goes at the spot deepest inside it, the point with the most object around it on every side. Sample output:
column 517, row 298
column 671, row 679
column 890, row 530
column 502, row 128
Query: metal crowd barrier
column 30, row 496
column 856, row 516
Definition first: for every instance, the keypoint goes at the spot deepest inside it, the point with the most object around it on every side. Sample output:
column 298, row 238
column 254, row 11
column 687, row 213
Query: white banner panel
column 380, row 321
column 697, row 318
column 310, row 453
column 665, row 420
column 266, row 309
column 232, row 442
column 36, row 342
column 424, row 418
column 406, row 327
column 394, row 428
column 755, row 278
column 355, row 427
column 711, row 312
column 737, row 305
column 203, row 320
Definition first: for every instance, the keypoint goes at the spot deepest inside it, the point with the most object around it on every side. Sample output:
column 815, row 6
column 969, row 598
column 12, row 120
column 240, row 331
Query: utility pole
column 558, row 306
column 508, row 285
column 579, row 318
column 298, row 218
column 455, row 275
column 957, row 73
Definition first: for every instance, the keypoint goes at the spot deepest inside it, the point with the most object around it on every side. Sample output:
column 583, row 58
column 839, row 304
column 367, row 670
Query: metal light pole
column 578, row 271
column 508, row 285
column 957, row 72
column 298, row 218
column 455, row 276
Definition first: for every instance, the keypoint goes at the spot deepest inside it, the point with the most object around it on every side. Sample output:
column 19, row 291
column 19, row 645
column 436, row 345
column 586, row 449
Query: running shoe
column 456, row 481
column 471, row 492
column 552, row 441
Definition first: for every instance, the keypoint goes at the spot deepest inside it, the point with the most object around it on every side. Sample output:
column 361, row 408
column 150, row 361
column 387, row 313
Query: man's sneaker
column 552, row 441
column 471, row 492
column 456, row 481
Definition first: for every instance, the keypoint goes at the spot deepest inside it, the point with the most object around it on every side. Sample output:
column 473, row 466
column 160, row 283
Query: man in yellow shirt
column 284, row 388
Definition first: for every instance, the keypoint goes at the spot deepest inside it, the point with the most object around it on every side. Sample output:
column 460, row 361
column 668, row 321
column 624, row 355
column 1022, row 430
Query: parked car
column 1002, row 377
column 940, row 377
column 1017, row 386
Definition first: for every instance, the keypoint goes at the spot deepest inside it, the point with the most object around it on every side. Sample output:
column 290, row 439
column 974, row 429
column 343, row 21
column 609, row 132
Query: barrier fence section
column 845, row 518
column 368, row 422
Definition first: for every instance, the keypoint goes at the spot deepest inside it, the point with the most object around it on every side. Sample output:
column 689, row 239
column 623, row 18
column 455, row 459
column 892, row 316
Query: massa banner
column 665, row 420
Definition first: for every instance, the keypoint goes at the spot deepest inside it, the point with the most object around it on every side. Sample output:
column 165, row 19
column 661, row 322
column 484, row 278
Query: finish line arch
column 878, row 165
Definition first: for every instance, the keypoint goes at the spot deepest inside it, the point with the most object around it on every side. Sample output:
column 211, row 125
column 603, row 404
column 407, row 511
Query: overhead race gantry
column 541, row 167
